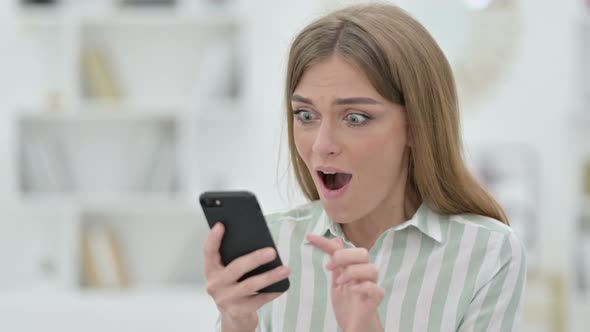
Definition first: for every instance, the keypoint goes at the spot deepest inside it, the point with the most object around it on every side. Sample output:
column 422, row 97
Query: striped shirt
column 440, row 273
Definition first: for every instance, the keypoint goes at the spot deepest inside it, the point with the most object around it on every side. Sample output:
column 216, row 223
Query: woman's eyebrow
column 301, row 99
column 356, row 101
column 339, row 101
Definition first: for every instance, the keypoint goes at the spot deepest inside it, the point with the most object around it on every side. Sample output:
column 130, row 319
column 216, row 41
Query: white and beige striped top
column 440, row 273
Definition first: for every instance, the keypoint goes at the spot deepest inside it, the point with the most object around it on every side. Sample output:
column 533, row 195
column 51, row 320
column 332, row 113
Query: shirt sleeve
column 496, row 306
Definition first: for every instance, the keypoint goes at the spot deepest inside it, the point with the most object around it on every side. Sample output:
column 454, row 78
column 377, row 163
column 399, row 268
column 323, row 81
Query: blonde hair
column 406, row 66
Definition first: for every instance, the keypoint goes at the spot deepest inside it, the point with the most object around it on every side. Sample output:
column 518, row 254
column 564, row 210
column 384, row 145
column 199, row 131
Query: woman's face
column 342, row 125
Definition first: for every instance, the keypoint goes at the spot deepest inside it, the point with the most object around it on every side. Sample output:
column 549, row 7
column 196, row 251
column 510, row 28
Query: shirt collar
column 425, row 220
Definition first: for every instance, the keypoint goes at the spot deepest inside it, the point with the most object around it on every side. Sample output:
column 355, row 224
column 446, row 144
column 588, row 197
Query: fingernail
column 329, row 266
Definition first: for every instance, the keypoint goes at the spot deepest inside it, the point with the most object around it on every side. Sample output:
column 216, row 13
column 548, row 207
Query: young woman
column 398, row 235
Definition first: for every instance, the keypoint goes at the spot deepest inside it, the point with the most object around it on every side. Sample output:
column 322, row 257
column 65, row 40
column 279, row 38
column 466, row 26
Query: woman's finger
column 246, row 263
column 369, row 290
column 338, row 242
column 348, row 256
column 243, row 294
column 359, row 272
column 326, row 245
column 211, row 249
column 255, row 283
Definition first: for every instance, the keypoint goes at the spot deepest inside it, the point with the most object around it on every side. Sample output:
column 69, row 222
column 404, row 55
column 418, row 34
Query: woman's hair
column 407, row 67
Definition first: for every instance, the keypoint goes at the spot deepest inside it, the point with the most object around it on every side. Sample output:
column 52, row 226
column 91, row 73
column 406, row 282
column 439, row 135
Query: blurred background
column 116, row 114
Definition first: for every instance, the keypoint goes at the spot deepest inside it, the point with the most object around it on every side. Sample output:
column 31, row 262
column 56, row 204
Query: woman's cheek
column 302, row 145
column 372, row 148
column 379, row 156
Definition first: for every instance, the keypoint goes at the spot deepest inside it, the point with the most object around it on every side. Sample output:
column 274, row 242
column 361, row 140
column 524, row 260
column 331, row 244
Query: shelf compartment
column 124, row 62
column 157, row 251
column 97, row 154
column 38, row 242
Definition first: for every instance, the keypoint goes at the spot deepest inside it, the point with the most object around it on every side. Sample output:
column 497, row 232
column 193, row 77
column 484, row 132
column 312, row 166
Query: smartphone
column 245, row 230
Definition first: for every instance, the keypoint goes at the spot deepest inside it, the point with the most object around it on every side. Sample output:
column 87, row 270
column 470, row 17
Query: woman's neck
column 365, row 231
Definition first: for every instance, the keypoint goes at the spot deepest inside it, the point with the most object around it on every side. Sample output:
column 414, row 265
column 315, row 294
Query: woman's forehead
column 334, row 75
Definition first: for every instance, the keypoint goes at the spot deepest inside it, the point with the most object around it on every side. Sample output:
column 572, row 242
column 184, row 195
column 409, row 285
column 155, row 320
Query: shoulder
column 498, row 245
column 497, row 233
column 303, row 215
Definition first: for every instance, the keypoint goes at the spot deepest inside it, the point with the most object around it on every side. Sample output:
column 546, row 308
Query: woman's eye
column 357, row 118
column 303, row 115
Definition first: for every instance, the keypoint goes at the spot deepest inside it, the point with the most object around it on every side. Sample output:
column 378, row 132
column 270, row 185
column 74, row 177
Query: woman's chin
column 339, row 208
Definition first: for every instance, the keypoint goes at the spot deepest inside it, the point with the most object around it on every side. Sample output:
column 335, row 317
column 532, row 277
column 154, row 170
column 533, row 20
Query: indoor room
column 117, row 115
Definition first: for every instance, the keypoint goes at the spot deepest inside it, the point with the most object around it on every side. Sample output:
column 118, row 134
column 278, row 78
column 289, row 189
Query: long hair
column 407, row 67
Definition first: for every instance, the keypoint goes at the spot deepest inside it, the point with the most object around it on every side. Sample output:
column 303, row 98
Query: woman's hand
column 238, row 301
column 355, row 293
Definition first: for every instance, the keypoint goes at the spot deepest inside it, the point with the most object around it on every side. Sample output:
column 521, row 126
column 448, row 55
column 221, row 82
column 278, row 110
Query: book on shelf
column 45, row 164
column 99, row 79
column 102, row 260
column 160, row 173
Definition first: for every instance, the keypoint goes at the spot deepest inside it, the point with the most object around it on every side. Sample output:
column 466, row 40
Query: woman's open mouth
column 334, row 184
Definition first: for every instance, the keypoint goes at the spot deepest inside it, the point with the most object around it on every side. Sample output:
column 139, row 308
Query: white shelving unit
column 580, row 299
column 132, row 163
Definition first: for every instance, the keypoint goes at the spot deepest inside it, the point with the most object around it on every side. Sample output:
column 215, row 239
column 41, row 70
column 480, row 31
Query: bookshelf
column 580, row 304
column 122, row 104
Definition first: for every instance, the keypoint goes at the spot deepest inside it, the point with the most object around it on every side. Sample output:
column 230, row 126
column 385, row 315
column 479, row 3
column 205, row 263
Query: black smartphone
column 245, row 230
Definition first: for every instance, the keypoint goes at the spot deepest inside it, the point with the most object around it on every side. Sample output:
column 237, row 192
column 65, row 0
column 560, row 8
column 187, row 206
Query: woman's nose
column 325, row 143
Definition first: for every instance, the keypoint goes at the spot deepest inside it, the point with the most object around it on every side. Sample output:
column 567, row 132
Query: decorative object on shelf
column 477, row 36
column 511, row 175
column 479, row 41
column 103, row 264
column 36, row 249
column 98, row 74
